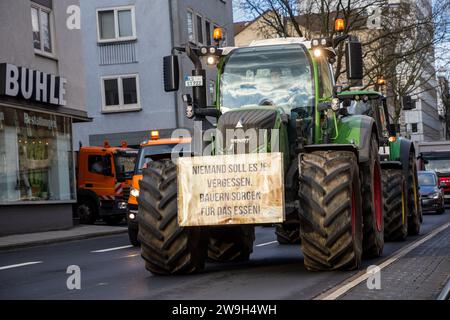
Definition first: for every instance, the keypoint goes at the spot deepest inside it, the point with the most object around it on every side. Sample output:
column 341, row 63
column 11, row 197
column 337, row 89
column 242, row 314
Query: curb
column 62, row 239
column 445, row 293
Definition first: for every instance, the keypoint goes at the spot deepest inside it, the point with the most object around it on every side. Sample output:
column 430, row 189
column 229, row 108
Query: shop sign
column 32, row 85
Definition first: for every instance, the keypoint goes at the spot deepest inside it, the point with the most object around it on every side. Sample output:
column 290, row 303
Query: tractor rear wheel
column 330, row 210
column 372, row 199
column 288, row 233
column 166, row 247
column 394, row 200
column 231, row 243
column 414, row 208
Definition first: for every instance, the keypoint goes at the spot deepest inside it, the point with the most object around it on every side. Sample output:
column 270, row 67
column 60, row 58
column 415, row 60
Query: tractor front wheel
column 166, row 247
column 330, row 210
column 288, row 233
column 231, row 243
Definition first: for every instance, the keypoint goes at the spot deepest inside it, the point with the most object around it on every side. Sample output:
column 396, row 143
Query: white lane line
column 19, row 265
column 112, row 249
column 266, row 243
column 361, row 276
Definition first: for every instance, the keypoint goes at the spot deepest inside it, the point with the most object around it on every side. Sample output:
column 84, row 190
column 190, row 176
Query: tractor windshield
column 280, row 76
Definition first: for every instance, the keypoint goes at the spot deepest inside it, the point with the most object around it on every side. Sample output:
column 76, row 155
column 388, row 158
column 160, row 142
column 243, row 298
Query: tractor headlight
column 134, row 192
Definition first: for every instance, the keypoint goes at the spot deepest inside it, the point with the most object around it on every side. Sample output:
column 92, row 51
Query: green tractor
column 403, row 214
column 329, row 162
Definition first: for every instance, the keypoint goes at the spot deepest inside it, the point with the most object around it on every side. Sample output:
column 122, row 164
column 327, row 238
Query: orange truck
column 103, row 181
column 153, row 149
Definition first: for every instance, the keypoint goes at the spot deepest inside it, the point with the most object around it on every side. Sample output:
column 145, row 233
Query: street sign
column 193, row 81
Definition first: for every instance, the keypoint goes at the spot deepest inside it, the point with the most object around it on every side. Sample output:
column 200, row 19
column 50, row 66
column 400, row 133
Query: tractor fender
column 391, row 165
column 368, row 127
column 331, row 147
column 357, row 130
column 406, row 148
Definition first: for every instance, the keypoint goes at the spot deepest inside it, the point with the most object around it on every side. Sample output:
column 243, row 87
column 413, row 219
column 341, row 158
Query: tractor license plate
column 193, row 81
column 231, row 189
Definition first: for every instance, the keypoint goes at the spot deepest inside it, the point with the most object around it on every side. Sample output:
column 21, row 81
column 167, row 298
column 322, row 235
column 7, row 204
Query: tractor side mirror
column 354, row 60
column 171, row 73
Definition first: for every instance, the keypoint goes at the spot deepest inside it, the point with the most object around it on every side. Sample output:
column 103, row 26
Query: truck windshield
column 156, row 152
column 125, row 162
column 281, row 76
column 438, row 165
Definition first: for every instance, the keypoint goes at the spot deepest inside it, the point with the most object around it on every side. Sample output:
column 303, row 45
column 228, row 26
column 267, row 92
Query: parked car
column 431, row 192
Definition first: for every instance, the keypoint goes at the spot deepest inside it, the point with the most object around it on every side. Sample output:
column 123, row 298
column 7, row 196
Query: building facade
column 41, row 96
column 123, row 46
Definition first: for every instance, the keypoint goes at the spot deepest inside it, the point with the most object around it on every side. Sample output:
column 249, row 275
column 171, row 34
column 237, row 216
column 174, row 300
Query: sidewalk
column 78, row 232
column 422, row 274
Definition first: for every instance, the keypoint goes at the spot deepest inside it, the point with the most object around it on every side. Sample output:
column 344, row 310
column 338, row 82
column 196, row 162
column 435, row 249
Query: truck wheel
column 112, row 220
column 166, row 247
column 330, row 210
column 133, row 236
column 288, row 233
column 394, row 200
column 231, row 243
column 372, row 199
column 414, row 209
column 87, row 211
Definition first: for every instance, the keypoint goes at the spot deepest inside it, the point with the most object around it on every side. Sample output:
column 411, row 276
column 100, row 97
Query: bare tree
column 399, row 41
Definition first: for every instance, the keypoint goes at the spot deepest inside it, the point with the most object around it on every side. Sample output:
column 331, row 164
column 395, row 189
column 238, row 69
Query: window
column 41, row 24
column 120, row 93
column 36, row 162
column 190, row 26
column 97, row 164
column 116, row 24
column 326, row 83
column 208, row 33
column 414, row 127
column 200, row 29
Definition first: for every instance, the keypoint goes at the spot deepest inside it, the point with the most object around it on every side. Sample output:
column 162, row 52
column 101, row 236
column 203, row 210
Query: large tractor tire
column 414, row 207
column 372, row 199
column 166, row 247
column 330, row 210
column 231, row 243
column 394, row 200
column 288, row 233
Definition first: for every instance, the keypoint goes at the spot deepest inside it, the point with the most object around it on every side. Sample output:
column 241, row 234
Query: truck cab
column 153, row 149
column 103, row 175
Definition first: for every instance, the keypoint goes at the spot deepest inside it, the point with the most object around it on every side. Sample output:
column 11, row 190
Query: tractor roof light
column 154, row 134
column 218, row 34
column 106, row 144
column 204, row 50
column 339, row 25
column 392, row 139
column 381, row 81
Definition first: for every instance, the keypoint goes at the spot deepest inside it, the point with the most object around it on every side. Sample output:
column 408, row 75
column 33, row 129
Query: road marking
column 352, row 282
column 20, row 265
column 266, row 243
column 112, row 249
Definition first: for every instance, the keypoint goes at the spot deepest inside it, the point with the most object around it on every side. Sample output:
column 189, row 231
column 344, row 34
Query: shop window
column 36, row 159
column 116, row 24
column 120, row 93
column 42, row 27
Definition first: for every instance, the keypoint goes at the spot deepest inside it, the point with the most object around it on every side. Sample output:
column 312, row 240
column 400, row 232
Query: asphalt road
column 116, row 271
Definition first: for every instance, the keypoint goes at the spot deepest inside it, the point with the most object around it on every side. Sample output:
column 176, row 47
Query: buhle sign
column 230, row 189
column 32, row 85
